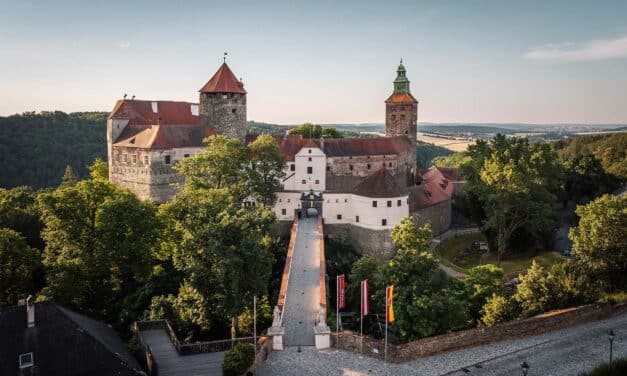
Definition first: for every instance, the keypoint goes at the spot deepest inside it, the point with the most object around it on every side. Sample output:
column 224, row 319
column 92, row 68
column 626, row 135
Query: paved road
column 565, row 352
column 172, row 364
column 303, row 288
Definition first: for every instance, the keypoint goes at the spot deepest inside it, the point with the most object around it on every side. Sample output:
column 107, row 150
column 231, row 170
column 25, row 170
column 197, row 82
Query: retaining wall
column 478, row 336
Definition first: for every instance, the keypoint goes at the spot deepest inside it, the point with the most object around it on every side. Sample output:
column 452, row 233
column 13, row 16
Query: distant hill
column 610, row 149
column 36, row 147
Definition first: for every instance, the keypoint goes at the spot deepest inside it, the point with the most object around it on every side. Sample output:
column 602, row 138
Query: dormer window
column 27, row 360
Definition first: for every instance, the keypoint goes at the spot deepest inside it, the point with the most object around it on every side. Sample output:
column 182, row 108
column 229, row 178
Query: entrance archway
column 311, row 202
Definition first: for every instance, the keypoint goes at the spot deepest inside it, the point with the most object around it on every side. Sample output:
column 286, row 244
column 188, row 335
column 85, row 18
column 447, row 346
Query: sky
column 324, row 61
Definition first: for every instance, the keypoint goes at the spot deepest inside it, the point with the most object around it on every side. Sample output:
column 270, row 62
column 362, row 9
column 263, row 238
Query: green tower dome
column 401, row 83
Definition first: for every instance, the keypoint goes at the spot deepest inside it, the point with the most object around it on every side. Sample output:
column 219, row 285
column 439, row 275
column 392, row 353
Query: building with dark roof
column 45, row 339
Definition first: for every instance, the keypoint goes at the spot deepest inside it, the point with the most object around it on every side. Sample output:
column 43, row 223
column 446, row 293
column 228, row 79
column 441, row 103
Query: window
column 283, row 211
column 374, row 204
column 309, row 170
column 368, row 166
column 280, row 200
column 292, row 167
column 384, row 222
column 393, row 117
column 309, row 151
column 168, row 159
column 339, row 216
column 389, row 203
column 345, row 200
column 350, row 167
column 185, row 155
column 134, row 158
column 146, row 159
column 309, row 159
column 398, row 202
column 328, row 168
column 337, row 200
column 289, row 200
column 233, row 110
column 402, row 116
column 26, row 360
column 357, row 218
column 390, row 164
column 317, row 181
column 125, row 158
column 304, row 181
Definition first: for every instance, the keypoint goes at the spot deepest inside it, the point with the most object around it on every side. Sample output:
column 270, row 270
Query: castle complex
column 361, row 187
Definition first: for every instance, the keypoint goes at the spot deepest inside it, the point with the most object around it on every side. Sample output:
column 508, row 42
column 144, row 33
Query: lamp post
column 611, row 335
column 525, row 368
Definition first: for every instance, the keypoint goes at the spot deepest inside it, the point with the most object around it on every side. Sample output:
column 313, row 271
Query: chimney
column 30, row 311
column 322, row 144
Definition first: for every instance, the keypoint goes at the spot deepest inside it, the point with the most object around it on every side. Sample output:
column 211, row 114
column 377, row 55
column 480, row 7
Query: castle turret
column 223, row 104
column 401, row 115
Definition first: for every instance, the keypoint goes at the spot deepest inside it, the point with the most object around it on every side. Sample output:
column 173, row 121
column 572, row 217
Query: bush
column 498, row 308
column 617, row 368
column 238, row 359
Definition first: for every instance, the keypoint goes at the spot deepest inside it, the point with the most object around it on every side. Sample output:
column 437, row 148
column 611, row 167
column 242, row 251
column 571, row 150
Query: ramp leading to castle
column 302, row 300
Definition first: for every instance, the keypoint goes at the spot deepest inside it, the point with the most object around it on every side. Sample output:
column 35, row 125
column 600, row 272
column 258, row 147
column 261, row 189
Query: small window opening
column 384, row 222
column 374, row 204
column 168, row 159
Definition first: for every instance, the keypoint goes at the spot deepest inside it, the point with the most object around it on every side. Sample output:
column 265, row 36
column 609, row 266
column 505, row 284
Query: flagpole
column 386, row 326
column 255, row 324
column 337, row 309
column 361, row 322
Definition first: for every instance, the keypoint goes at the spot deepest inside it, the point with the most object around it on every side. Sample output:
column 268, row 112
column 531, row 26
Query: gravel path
column 303, row 288
column 565, row 352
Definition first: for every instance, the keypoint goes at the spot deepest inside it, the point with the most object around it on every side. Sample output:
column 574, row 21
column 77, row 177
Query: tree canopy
column 309, row 130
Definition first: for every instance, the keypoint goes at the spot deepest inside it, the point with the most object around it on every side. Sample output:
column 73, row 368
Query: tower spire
column 224, row 57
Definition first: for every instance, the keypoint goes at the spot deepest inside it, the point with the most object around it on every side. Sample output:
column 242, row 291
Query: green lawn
column 455, row 253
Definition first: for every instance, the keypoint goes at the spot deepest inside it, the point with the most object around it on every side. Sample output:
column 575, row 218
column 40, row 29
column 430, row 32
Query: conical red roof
column 223, row 81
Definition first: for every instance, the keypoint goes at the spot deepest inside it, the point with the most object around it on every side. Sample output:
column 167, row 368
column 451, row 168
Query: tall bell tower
column 401, row 115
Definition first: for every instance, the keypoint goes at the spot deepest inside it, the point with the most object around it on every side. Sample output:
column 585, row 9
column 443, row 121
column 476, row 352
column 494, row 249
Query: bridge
column 300, row 314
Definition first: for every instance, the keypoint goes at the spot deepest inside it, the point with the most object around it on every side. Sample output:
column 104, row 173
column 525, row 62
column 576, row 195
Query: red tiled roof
column 380, row 184
column 401, row 98
column 339, row 147
column 435, row 188
column 140, row 112
column 164, row 136
column 223, row 81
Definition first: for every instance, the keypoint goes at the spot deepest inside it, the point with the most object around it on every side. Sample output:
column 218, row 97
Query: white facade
column 309, row 172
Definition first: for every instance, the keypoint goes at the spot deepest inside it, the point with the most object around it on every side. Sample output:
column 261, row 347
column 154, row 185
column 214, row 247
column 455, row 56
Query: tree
column 18, row 262
column 367, row 267
column 515, row 184
column 600, row 240
column 480, row 284
column 265, row 170
column 69, row 177
column 18, row 211
column 406, row 235
column 98, row 237
column 585, row 178
column 498, row 309
column 533, row 294
column 219, row 165
column 425, row 302
column 309, row 130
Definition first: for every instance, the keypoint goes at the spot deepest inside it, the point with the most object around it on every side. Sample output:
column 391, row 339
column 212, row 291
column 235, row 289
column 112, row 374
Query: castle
column 361, row 187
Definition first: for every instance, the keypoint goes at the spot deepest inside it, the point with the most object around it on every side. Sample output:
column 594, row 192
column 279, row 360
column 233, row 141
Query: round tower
column 223, row 104
column 401, row 115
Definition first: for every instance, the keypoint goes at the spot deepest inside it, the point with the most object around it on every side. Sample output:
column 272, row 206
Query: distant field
column 454, row 145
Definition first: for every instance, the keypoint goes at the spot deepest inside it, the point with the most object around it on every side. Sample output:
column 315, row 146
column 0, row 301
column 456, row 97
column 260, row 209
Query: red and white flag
column 365, row 298
column 341, row 291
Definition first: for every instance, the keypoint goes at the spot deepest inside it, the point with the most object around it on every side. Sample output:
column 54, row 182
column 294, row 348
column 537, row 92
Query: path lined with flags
column 303, row 289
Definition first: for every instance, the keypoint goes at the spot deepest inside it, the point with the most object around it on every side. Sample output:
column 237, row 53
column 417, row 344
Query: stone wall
column 226, row 112
column 375, row 243
column 438, row 215
column 478, row 336
column 401, row 119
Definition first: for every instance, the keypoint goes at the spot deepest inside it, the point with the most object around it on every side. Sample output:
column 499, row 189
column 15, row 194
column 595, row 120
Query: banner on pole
column 365, row 298
column 389, row 298
column 341, row 291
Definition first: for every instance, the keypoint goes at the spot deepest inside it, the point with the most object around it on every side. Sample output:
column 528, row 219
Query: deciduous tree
column 18, row 262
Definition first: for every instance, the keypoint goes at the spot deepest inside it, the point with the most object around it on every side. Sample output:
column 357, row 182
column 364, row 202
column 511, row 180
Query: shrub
column 238, row 359
column 497, row 309
column 617, row 368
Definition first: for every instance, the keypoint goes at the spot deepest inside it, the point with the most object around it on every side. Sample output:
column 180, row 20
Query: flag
column 365, row 298
column 389, row 296
column 341, row 291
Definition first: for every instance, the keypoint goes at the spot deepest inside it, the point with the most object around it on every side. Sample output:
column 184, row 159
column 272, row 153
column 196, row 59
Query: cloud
column 125, row 44
column 589, row 51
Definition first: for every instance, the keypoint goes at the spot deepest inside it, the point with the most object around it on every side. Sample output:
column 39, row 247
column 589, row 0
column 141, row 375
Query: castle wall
column 438, row 215
column 226, row 112
column 375, row 243
column 286, row 204
column 145, row 173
